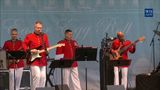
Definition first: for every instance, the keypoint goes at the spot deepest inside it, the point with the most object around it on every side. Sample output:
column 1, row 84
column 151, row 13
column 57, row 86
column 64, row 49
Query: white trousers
column 71, row 78
column 38, row 75
column 15, row 79
column 124, row 71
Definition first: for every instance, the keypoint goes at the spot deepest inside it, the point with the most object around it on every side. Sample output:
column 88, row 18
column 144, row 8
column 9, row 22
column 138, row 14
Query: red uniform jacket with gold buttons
column 14, row 46
column 116, row 44
column 68, row 50
column 34, row 41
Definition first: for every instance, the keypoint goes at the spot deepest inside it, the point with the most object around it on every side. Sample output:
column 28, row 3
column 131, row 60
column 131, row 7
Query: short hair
column 38, row 22
column 14, row 29
column 68, row 30
column 120, row 33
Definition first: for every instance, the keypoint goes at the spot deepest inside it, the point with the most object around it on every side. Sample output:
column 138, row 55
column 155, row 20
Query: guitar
column 36, row 55
column 117, row 53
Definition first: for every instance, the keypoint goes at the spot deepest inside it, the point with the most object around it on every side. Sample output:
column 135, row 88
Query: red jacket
column 116, row 44
column 34, row 41
column 68, row 50
column 14, row 46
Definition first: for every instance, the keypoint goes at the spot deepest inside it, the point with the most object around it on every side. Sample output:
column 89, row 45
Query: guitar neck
column 125, row 48
column 48, row 49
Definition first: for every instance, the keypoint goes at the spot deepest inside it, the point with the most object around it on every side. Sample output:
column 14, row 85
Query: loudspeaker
column 148, row 82
column 26, row 79
column 4, row 80
column 115, row 87
column 46, row 88
column 57, row 87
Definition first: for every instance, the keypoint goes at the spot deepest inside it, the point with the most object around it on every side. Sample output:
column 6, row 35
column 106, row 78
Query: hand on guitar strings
column 34, row 51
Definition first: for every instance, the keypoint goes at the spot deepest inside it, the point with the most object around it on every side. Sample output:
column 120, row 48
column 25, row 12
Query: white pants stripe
column 71, row 78
column 124, row 76
column 18, row 76
column 38, row 76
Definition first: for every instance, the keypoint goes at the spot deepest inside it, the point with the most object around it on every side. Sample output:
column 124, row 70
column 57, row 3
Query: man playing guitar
column 32, row 42
column 119, row 51
column 37, row 45
column 117, row 45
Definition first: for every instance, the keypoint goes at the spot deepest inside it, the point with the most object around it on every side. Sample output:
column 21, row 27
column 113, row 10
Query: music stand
column 62, row 63
column 86, row 54
column 120, row 63
column 14, row 55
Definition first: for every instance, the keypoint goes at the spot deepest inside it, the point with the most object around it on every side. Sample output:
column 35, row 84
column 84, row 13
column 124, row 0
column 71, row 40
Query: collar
column 41, row 34
column 68, row 40
column 13, row 41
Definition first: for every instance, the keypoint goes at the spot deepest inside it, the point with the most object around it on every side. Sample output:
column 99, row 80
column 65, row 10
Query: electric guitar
column 117, row 53
column 37, row 54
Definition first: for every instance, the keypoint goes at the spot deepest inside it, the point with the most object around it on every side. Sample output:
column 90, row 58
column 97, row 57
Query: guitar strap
column 44, row 44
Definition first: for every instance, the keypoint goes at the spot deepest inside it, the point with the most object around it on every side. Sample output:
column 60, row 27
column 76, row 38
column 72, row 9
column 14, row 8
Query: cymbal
column 156, row 32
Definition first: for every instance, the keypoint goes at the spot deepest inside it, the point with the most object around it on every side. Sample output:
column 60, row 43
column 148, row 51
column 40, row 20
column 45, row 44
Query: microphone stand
column 153, row 48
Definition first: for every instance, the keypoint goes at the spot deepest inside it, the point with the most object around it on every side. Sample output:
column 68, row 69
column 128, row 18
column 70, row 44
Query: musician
column 67, row 52
column 33, row 42
column 119, row 43
column 15, row 66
